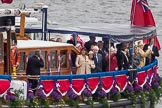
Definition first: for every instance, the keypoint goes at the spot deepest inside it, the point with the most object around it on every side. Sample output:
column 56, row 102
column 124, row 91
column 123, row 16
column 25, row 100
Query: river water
column 94, row 11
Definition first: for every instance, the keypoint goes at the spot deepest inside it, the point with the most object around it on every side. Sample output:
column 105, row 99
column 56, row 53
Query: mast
column 22, row 24
column 44, row 22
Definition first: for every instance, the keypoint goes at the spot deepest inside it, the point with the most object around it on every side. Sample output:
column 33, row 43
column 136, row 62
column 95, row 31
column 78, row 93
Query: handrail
column 101, row 74
column 82, row 76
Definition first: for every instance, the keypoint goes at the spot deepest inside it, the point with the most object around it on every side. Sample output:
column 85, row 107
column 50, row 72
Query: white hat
column 90, row 52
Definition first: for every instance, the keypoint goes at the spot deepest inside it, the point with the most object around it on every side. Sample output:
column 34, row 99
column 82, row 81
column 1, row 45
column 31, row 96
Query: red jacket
column 113, row 62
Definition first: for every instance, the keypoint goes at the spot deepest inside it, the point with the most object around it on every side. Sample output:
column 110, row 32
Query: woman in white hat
column 90, row 64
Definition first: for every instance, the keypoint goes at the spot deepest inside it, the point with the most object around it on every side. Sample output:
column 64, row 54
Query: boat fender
column 15, row 56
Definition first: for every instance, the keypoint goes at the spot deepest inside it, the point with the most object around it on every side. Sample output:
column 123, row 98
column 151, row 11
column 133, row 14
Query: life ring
column 15, row 56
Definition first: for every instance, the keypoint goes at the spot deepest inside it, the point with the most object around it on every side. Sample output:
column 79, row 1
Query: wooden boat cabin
column 53, row 52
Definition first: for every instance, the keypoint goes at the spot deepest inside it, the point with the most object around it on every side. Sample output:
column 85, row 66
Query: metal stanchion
column 132, row 74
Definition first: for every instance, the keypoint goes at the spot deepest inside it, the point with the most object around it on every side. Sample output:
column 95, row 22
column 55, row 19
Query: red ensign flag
column 7, row 1
column 141, row 15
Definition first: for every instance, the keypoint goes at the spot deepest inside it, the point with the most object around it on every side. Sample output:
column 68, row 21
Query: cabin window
column 22, row 61
column 37, row 36
column 53, row 58
column 1, row 46
column 63, row 58
column 31, row 54
column 43, row 54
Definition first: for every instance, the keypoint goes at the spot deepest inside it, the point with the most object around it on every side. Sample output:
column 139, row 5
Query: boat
column 67, row 76
column 62, row 87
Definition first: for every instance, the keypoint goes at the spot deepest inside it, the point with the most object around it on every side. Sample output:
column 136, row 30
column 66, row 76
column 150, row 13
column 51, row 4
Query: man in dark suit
column 33, row 67
column 153, row 48
column 97, row 60
column 122, row 56
column 101, row 51
column 119, row 56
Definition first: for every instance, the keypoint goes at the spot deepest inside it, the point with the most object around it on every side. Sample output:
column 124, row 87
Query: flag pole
column 132, row 12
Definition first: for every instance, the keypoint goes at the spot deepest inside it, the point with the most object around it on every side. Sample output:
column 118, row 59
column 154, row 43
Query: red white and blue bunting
column 5, row 81
column 118, row 79
column 106, row 81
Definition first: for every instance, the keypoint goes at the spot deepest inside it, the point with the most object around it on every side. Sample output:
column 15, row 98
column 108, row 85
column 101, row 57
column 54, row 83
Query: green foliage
column 73, row 103
column 133, row 99
column 43, row 103
column 0, row 102
column 104, row 102
column 32, row 103
column 89, row 101
column 143, row 99
column 153, row 98
column 154, row 95
column 60, row 102
column 158, row 92
column 116, row 97
column 131, row 96
column 17, row 102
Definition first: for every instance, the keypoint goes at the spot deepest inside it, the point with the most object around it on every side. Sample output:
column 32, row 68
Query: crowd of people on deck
column 103, row 57
column 99, row 56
